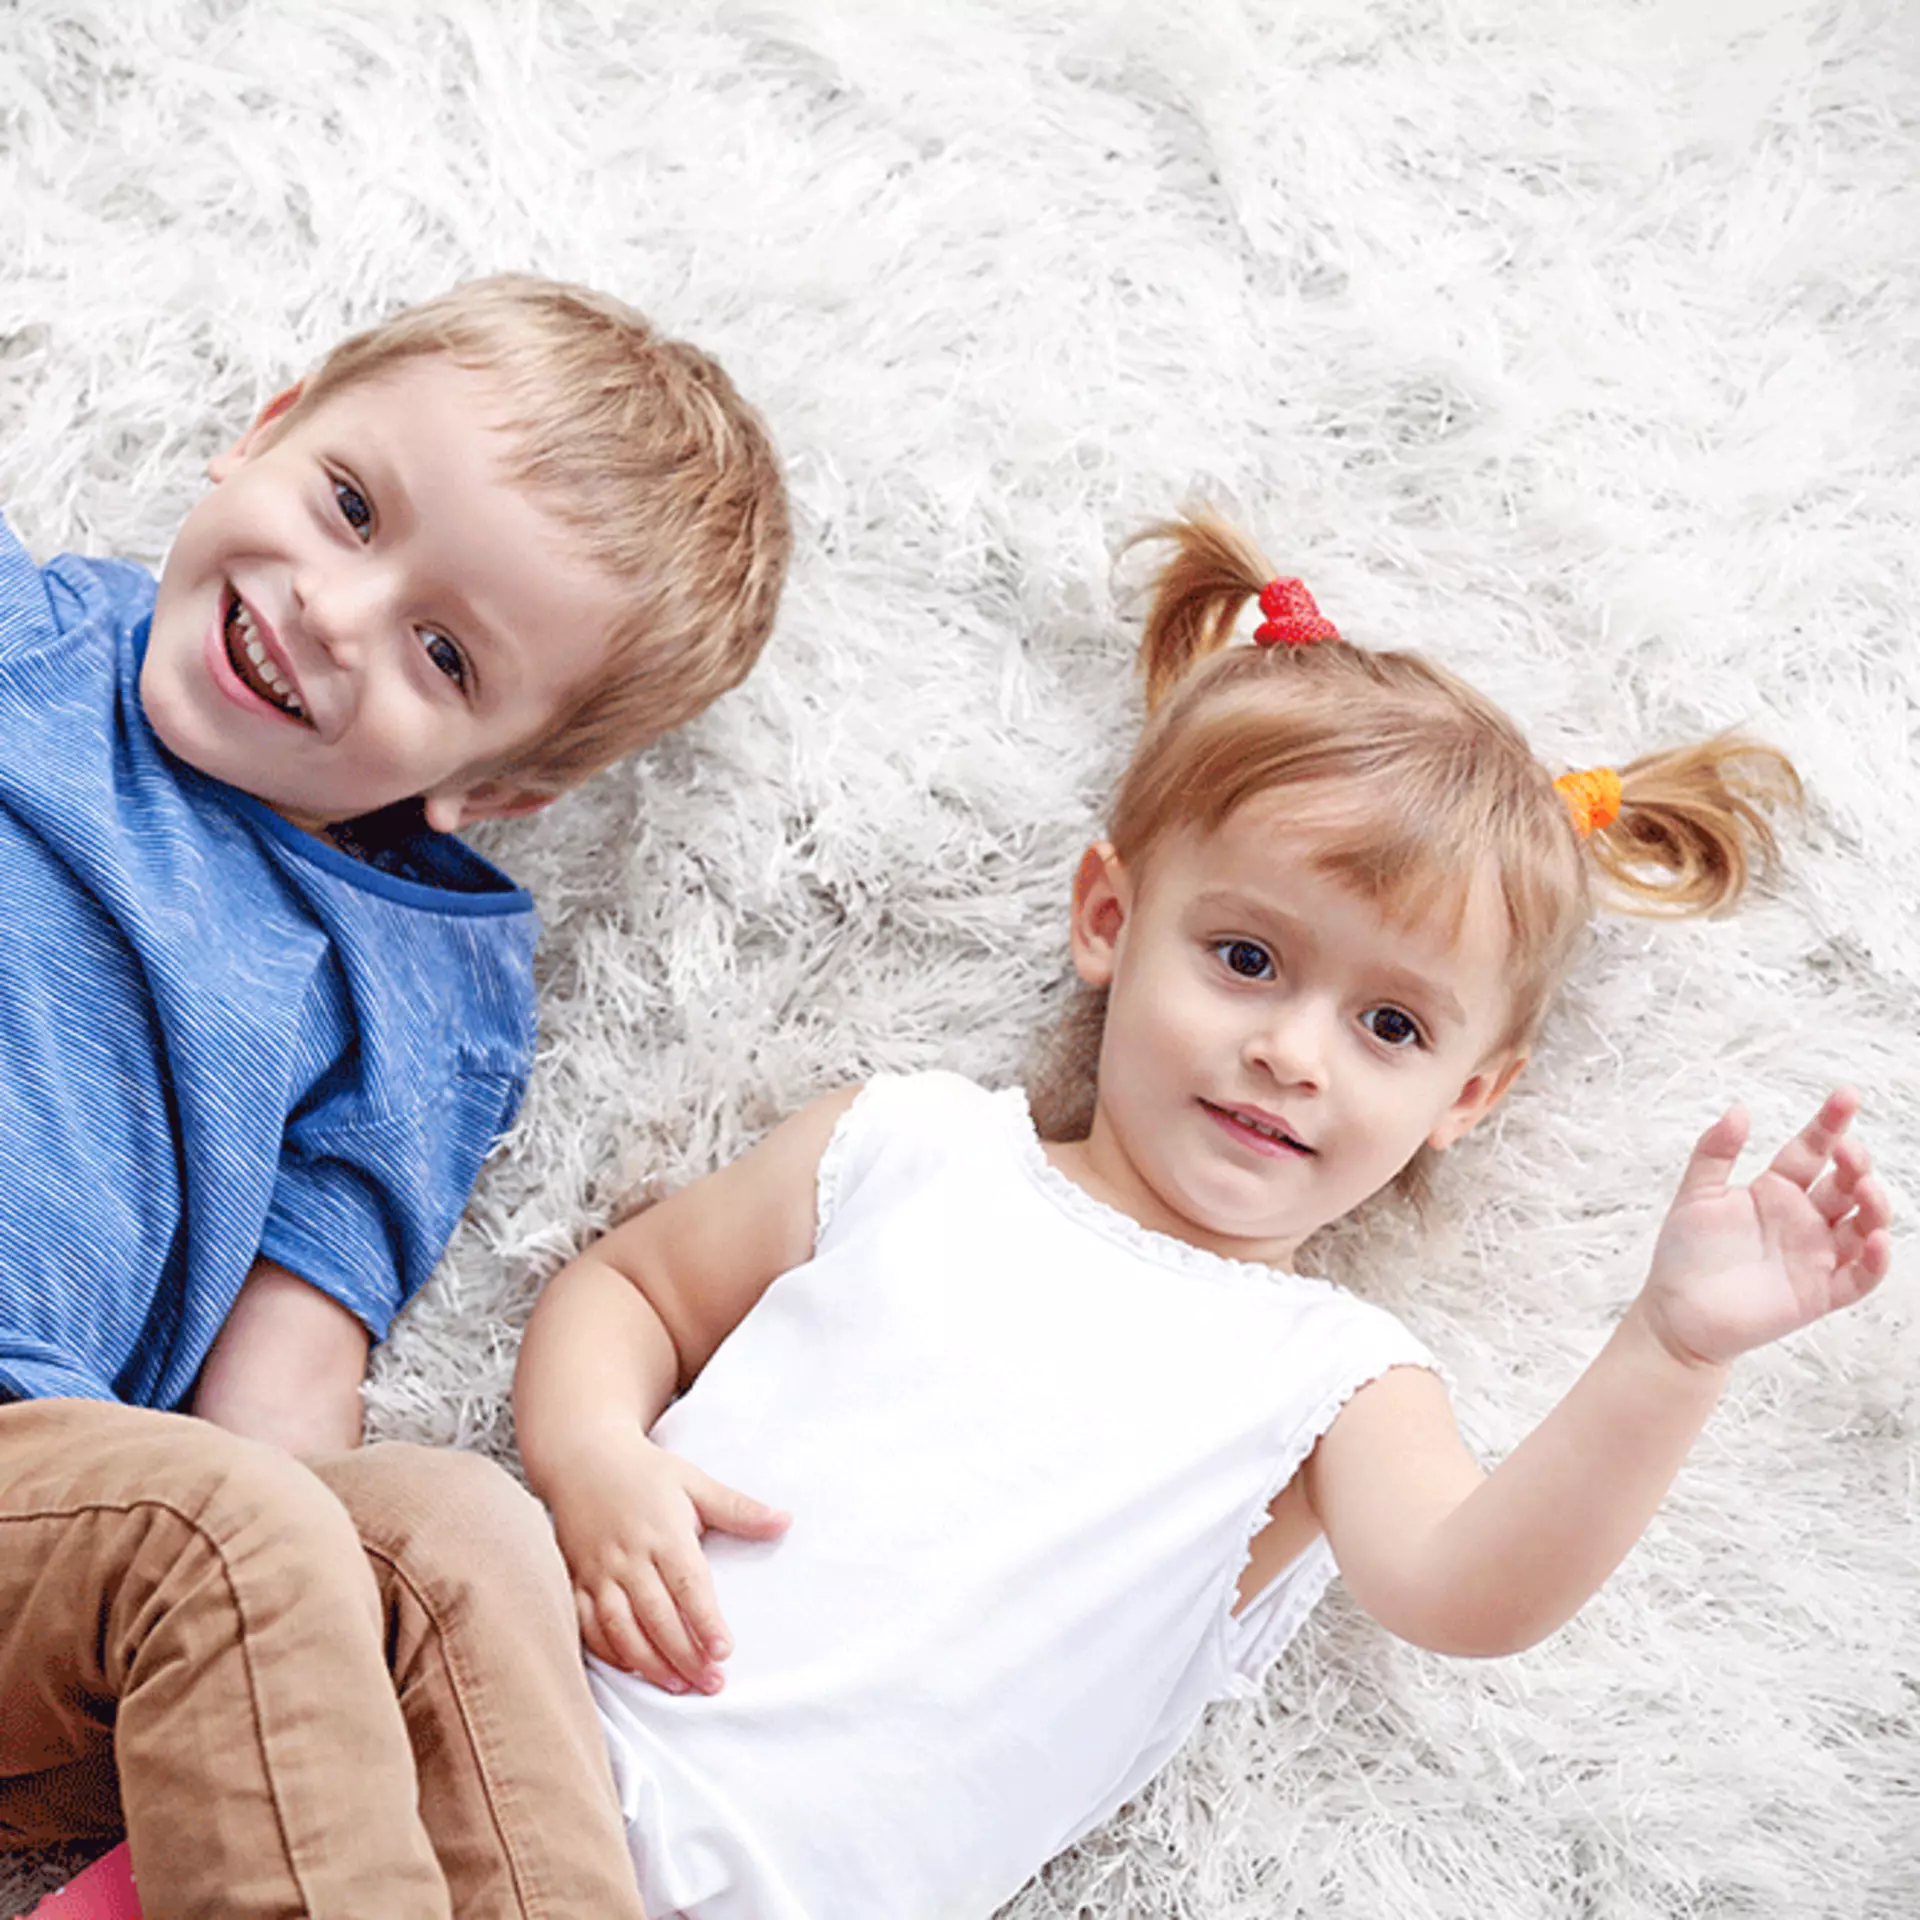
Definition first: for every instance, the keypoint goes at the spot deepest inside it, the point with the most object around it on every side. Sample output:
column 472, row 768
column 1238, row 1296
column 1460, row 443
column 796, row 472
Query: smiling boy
column 262, row 1016
column 279, row 659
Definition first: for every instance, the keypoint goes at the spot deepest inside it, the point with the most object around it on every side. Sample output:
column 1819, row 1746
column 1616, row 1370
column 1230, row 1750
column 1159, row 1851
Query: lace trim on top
column 1249, row 1642
column 1165, row 1249
column 826, row 1176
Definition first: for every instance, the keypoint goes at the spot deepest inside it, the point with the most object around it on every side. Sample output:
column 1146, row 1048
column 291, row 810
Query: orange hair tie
column 1592, row 796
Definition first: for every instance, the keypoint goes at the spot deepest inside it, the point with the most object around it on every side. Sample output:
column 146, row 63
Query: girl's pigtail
column 1693, row 824
column 1214, row 571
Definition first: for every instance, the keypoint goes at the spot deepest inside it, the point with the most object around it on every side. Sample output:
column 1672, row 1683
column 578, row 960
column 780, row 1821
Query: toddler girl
column 1069, row 1443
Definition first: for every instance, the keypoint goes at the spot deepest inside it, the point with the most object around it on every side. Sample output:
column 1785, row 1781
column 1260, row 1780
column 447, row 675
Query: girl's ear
column 1476, row 1100
column 223, row 465
column 1102, row 899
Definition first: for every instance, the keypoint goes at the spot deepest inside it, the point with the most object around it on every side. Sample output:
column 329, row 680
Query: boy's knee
column 160, row 1517
column 263, row 1492
column 258, row 1514
column 442, row 1515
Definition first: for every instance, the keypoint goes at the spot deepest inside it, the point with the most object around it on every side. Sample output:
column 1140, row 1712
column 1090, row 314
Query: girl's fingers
column 1711, row 1164
column 720, row 1509
column 1876, row 1260
column 1865, row 1261
column 608, row 1631
column 634, row 1648
column 1873, row 1210
column 1807, row 1153
column 727, row 1510
column 1856, row 1232
column 1862, row 1246
column 660, row 1619
column 692, row 1591
column 620, row 1630
column 1837, row 1191
column 595, row 1642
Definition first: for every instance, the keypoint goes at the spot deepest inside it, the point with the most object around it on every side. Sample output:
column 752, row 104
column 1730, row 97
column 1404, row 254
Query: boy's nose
column 338, row 613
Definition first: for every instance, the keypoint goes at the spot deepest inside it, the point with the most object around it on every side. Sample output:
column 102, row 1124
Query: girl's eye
column 1248, row 958
column 446, row 656
column 1392, row 1028
column 353, row 506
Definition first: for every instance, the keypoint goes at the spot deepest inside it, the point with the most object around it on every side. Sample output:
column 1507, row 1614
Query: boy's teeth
column 271, row 674
column 241, row 623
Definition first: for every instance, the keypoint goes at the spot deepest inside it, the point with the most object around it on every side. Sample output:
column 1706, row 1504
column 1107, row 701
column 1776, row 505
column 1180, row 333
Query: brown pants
column 343, row 1689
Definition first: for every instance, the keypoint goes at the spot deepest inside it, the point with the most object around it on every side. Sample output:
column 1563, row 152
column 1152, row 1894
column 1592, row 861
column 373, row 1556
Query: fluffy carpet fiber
column 1575, row 343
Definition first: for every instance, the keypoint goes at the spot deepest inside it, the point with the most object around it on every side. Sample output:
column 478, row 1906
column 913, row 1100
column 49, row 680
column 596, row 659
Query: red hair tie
column 1292, row 618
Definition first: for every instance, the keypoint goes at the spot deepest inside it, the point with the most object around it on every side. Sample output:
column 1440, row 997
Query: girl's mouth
column 248, row 657
column 1262, row 1135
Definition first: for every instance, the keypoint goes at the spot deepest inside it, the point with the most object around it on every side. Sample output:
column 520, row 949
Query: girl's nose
column 1289, row 1042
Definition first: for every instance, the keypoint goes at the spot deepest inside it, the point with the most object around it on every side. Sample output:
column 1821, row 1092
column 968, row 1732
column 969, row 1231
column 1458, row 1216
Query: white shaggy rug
column 1574, row 342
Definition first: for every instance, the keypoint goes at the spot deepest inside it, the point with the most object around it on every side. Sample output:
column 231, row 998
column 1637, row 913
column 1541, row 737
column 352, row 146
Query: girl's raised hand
column 1735, row 1267
column 629, row 1527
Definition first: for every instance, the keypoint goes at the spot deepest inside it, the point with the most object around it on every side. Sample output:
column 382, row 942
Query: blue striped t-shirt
column 219, row 1035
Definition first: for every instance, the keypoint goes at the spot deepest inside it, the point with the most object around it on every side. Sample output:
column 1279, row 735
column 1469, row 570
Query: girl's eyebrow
column 1418, row 987
column 1263, row 915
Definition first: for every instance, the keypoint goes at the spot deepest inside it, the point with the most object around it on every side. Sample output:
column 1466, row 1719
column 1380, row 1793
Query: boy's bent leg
column 197, row 1608
column 515, row 1788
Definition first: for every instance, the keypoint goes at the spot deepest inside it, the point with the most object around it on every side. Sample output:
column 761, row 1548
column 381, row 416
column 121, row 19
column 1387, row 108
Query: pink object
column 103, row 1892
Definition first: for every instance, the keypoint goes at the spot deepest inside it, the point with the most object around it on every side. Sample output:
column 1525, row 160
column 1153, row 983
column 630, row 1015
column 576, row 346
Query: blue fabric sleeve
column 26, row 611
column 363, row 1211
column 34, row 1371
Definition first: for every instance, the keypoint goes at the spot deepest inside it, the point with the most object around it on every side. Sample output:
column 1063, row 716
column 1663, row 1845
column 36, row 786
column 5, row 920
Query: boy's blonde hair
column 1412, row 783
column 643, row 448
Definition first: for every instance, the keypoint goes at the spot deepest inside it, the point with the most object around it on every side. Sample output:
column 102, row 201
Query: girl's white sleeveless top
column 1025, row 1443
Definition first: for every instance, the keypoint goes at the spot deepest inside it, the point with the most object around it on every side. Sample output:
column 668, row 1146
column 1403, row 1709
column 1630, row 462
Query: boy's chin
column 183, row 727
column 168, row 712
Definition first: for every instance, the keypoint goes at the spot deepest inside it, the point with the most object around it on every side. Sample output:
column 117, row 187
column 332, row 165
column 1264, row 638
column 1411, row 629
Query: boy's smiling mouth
column 258, row 671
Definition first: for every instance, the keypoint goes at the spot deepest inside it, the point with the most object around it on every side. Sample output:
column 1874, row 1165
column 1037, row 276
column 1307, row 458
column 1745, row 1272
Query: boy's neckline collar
column 490, row 891
column 459, row 880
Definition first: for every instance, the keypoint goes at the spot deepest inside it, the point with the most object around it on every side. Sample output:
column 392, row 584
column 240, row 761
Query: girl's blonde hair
column 643, row 448
column 1412, row 784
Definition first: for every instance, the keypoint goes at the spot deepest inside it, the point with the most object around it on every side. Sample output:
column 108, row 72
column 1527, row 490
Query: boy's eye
column 1248, row 958
column 1392, row 1028
column 446, row 656
column 353, row 506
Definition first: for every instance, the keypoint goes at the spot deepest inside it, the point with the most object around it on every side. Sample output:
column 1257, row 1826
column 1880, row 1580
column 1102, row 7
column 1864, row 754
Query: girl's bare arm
column 1480, row 1564
column 1469, row 1563
column 617, row 1333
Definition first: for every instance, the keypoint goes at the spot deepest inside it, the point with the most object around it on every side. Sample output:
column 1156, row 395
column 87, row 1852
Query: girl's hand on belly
column 630, row 1522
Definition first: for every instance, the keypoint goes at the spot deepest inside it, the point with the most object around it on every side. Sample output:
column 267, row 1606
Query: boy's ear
column 1102, row 899
column 222, row 465
column 1476, row 1100
column 457, row 807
